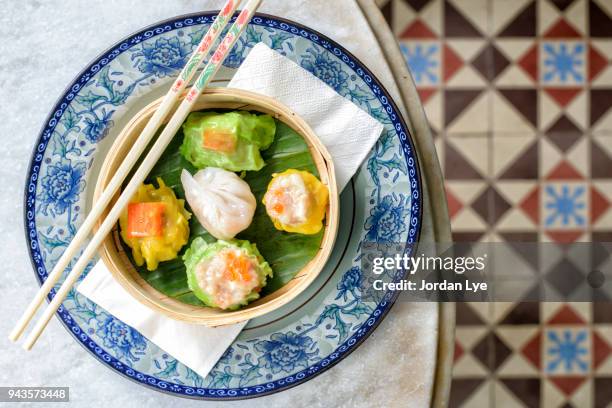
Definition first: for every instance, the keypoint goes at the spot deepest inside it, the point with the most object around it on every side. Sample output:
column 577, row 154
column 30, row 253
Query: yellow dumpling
column 155, row 225
column 296, row 201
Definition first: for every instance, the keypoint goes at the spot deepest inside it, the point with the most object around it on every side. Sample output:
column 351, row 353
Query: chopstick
column 139, row 176
column 142, row 142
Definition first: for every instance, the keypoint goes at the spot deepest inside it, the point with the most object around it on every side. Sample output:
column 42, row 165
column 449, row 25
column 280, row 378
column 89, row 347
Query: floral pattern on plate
column 86, row 115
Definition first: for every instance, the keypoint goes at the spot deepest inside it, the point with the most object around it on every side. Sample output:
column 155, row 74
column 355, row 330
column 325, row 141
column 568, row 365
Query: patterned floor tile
column 515, row 156
column 466, row 158
column 601, row 114
column 600, row 72
column 524, row 342
column 602, row 349
column 463, row 63
column 522, row 57
column 470, row 392
column 564, row 208
column 466, row 364
column 600, row 19
column 562, row 22
column 514, row 18
column 601, row 205
column 565, row 279
column 432, row 103
column 602, row 312
column 490, row 62
column 558, row 313
column 424, row 59
column 515, row 110
column 601, row 157
column 469, row 236
column 491, row 206
column 521, row 392
column 465, row 18
column 519, row 96
column 558, row 165
column 563, row 62
column 564, row 133
column 583, row 395
column 524, row 214
column 573, row 390
column 561, row 104
column 602, row 392
column 521, row 313
column 461, row 195
column 491, row 351
column 567, row 351
column 463, row 110
column 602, row 236
column 472, row 314
column 552, row 396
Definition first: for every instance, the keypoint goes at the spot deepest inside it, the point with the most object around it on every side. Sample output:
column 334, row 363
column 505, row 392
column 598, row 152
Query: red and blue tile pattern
column 519, row 97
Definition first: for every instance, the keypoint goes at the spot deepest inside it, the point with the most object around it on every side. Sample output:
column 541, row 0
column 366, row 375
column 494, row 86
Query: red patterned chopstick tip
column 205, row 44
column 228, row 8
column 243, row 17
column 223, row 49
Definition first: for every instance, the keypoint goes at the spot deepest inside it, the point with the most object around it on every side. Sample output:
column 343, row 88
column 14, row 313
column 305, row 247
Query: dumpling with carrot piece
column 296, row 201
column 221, row 201
column 155, row 225
column 225, row 274
column 230, row 140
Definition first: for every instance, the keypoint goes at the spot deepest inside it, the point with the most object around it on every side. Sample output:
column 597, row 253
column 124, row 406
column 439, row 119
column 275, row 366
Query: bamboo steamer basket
column 116, row 260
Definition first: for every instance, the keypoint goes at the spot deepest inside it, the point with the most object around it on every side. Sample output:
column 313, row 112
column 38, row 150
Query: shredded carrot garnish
column 237, row 268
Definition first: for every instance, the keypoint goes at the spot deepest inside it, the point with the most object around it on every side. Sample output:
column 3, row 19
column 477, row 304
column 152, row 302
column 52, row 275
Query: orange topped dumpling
column 296, row 201
column 155, row 225
column 225, row 274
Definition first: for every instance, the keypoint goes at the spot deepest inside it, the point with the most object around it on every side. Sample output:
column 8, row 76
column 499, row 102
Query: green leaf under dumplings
column 286, row 253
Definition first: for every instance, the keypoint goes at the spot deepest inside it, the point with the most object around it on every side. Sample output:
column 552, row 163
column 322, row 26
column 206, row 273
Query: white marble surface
column 44, row 45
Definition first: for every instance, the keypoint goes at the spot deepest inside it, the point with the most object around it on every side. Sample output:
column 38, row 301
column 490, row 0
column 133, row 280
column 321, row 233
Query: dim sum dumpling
column 225, row 274
column 155, row 225
column 296, row 201
column 230, row 140
column 220, row 200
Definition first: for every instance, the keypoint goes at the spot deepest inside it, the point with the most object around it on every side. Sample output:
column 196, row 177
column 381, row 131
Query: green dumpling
column 225, row 274
column 230, row 140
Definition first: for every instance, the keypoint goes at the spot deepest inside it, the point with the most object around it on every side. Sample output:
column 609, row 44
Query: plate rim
column 32, row 238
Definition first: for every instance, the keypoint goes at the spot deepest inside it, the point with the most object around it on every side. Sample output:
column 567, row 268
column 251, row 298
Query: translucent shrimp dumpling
column 221, row 201
column 296, row 201
column 225, row 274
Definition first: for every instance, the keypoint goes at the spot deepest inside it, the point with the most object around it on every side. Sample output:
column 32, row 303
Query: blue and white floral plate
column 275, row 351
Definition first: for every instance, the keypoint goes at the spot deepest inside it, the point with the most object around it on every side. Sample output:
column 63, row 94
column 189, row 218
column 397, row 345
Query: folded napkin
column 348, row 133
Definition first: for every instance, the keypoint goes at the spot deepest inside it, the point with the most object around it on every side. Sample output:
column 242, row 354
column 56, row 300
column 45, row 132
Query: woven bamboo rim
column 123, row 271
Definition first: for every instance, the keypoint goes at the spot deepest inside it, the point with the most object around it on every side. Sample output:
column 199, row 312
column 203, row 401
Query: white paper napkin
column 198, row 347
column 348, row 133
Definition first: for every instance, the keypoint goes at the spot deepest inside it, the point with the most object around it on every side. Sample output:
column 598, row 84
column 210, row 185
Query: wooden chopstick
column 169, row 101
column 146, row 166
column 141, row 143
